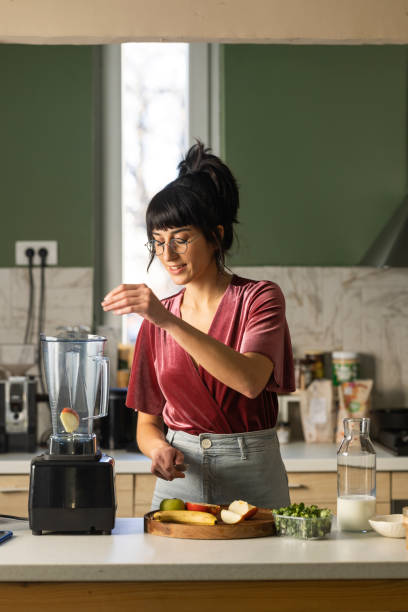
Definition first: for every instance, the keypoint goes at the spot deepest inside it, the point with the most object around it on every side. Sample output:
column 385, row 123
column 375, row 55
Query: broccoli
column 316, row 523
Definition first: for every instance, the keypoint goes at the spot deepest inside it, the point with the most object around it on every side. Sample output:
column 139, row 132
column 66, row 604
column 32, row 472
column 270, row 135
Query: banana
column 187, row 517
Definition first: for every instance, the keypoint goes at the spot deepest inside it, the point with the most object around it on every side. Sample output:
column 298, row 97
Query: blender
column 72, row 485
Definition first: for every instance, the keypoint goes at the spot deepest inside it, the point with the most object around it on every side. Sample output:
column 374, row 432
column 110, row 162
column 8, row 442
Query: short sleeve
column 266, row 332
column 144, row 393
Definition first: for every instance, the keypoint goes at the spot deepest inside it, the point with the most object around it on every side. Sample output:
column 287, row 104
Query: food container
column 314, row 528
column 388, row 525
column 316, row 363
column 344, row 367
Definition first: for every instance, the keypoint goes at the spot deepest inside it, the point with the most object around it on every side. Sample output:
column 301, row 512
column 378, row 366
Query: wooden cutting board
column 259, row 526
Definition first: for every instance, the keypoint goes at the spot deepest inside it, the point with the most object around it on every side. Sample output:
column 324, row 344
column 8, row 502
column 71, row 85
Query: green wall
column 317, row 138
column 316, row 135
column 46, row 150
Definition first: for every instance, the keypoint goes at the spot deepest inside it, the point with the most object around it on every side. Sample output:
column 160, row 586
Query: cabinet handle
column 297, row 486
column 17, row 490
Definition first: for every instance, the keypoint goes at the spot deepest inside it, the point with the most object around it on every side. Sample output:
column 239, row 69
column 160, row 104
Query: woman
column 209, row 360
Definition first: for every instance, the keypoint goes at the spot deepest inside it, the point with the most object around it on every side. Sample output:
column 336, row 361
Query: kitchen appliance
column 18, row 415
column 392, row 429
column 118, row 428
column 18, row 408
column 72, row 485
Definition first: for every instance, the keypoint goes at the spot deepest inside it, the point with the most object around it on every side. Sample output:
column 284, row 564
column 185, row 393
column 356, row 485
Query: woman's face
column 188, row 256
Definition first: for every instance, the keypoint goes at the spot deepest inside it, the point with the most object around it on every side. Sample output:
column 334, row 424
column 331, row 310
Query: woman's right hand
column 165, row 460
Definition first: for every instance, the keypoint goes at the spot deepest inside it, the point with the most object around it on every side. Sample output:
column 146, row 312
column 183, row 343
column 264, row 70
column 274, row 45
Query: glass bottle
column 356, row 493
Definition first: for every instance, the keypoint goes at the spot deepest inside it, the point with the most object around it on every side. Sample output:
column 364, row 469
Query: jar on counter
column 306, row 375
column 344, row 367
column 316, row 363
column 356, row 471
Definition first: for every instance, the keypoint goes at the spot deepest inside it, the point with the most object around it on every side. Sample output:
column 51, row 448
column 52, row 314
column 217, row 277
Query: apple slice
column 243, row 508
column 202, row 507
column 70, row 419
column 231, row 518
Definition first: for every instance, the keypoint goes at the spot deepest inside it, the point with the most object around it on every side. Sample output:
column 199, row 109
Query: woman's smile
column 176, row 269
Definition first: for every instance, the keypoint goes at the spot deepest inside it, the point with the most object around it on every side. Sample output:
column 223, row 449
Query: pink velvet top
column 164, row 380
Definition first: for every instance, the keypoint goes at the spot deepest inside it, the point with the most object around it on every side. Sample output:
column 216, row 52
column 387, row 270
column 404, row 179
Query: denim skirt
column 224, row 467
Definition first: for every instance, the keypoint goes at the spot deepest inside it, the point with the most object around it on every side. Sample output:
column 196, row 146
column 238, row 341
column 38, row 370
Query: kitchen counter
column 131, row 570
column 297, row 457
column 130, row 554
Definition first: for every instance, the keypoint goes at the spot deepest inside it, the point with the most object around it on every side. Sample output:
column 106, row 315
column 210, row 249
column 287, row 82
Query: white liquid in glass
column 353, row 512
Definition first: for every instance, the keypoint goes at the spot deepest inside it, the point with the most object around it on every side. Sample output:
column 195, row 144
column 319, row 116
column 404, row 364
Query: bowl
column 388, row 525
column 314, row 528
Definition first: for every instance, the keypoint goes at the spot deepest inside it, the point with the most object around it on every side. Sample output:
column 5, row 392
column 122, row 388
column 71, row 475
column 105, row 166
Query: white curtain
column 261, row 21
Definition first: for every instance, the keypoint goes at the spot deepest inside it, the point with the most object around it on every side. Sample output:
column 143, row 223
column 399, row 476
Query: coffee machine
column 18, row 405
column 18, row 415
column 72, row 486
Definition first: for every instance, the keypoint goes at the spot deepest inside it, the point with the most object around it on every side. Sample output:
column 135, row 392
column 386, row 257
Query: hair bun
column 198, row 159
column 201, row 165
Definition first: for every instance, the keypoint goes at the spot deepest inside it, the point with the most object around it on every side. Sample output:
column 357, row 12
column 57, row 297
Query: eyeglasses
column 177, row 245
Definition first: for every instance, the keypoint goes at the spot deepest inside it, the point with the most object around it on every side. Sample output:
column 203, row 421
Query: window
column 156, row 99
column 154, row 139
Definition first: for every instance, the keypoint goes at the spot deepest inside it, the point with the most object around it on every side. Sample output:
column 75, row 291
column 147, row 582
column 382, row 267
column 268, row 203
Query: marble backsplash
column 357, row 309
column 360, row 309
column 68, row 300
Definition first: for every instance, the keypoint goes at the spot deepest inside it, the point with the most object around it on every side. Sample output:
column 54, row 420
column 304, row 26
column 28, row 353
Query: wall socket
column 36, row 245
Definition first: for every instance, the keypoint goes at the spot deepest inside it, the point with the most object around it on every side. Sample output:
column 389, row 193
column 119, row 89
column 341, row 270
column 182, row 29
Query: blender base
column 72, row 495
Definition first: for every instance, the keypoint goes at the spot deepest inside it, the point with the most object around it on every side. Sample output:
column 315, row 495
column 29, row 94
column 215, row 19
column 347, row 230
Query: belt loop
column 241, row 445
column 170, row 436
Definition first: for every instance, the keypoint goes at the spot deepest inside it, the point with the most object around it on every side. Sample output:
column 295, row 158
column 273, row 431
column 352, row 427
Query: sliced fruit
column 243, row 508
column 201, row 507
column 231, row 517
column 172, row 504
column 70, row 419
column 187, row 517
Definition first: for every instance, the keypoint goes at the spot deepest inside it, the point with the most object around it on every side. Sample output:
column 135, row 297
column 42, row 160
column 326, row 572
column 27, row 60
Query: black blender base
column 78, row 520
column 75, row 495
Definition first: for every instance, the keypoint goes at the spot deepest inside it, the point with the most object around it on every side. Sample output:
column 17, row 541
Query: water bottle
column 356, row 492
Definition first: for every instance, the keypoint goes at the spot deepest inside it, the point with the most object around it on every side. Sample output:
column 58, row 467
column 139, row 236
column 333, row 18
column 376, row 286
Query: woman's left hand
column 138, row 299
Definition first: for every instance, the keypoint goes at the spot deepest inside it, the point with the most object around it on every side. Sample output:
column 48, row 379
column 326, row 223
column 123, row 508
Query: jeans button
column 206, row 443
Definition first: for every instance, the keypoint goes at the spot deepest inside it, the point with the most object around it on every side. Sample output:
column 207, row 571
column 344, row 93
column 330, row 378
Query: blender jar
column 356, row 489
column 77, row 376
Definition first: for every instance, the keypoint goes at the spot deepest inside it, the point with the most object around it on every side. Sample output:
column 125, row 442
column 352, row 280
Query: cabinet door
column 124, row 494
column 320, row 488
column 14, row 494
column 144, row 489
column 313, row 487
column 399, row 485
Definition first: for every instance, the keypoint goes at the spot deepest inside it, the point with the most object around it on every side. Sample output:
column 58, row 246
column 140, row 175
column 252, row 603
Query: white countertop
column 131, row 555
column 297, row 457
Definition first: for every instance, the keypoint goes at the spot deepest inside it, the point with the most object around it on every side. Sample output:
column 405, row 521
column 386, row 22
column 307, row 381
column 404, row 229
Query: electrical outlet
column 36, row 245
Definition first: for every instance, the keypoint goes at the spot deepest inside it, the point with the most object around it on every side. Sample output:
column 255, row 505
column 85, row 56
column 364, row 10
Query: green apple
column 172, row 504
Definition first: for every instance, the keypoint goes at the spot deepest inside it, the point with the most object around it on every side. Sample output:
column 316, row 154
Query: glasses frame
column 152, row 250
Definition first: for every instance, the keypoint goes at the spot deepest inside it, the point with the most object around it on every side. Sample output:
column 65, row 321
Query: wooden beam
column 243, row 21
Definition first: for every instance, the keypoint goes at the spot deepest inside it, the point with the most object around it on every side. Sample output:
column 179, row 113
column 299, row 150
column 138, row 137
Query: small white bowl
column 388, row 525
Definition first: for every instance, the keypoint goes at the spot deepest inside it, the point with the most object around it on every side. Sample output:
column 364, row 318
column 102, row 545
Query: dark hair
column 204, row 195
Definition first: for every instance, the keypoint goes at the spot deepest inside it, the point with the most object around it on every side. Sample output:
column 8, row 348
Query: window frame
column 203, row 122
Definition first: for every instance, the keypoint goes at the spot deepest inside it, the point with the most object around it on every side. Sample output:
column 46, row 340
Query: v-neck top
column 164, row 380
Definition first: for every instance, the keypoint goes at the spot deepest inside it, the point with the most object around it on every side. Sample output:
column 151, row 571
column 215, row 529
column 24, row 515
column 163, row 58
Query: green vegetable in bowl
column 300, row 521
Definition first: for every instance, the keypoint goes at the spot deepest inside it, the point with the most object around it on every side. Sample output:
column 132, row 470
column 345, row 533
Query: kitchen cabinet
column 14, row 494
column 320, row 488
column 134, row 492
column 399, row 486
column 144, row 487
column 124, row 494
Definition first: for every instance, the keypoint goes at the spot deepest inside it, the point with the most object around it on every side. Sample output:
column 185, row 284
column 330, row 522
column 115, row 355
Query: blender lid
column 72, row 335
